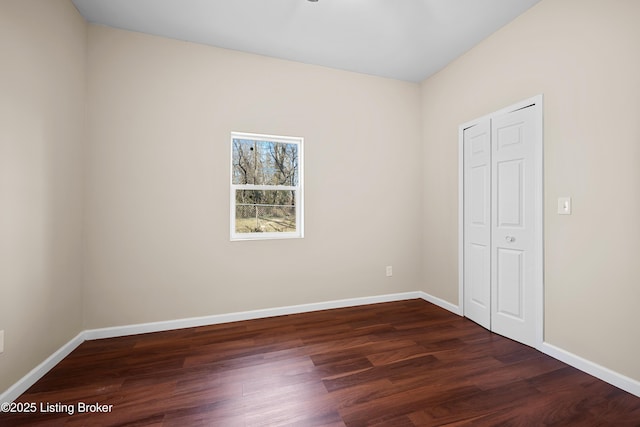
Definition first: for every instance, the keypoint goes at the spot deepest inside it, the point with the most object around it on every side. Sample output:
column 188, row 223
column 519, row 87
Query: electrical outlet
column 389, row 271
column 1, row 341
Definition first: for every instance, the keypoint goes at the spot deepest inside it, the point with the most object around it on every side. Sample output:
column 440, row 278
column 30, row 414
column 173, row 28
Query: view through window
column 266, row 186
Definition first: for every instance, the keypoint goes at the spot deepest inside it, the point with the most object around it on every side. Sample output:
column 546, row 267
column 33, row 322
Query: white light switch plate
column 1, row 341
column 564, row 205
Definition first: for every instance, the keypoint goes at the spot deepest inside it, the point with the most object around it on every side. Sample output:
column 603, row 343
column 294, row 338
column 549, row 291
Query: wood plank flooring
column 405, row 363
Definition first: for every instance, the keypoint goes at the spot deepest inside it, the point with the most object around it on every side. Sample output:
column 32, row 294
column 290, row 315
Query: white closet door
column 501, row 222
column 513, row 217
column 477, row 223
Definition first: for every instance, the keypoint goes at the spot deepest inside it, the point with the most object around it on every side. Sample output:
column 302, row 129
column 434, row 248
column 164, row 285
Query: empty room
column 319, row 213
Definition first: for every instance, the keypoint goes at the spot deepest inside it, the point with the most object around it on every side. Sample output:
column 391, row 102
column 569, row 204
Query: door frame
column 535, row 102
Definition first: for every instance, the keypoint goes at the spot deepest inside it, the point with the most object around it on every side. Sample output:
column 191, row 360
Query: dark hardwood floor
column 405, row 363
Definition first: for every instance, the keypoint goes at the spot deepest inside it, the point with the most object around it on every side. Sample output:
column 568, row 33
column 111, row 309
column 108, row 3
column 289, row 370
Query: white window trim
column 299, row 233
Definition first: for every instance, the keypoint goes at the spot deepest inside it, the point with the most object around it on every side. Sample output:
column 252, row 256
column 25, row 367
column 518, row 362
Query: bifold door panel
column 477, row 219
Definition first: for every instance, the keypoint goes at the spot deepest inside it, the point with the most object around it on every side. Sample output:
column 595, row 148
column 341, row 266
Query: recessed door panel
column 479, row 259
column 479, row 195
column 510, row 195
column 479, row 144
column 509, row 135
column 510, row 282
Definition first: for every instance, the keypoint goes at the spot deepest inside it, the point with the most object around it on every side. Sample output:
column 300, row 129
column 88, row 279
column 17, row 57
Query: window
column 266, row 187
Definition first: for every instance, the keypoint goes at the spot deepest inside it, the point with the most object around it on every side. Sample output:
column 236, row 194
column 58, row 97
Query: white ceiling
column 402, row 39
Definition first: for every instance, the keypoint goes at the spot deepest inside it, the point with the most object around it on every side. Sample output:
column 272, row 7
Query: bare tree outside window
column 266, row 190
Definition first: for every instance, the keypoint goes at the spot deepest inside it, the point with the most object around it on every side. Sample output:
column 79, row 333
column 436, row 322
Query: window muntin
column 266, row 187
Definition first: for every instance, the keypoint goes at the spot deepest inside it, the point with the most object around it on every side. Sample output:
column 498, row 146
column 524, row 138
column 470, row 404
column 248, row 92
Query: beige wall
column 161, row 113
column 584, row 57
column 42, row 87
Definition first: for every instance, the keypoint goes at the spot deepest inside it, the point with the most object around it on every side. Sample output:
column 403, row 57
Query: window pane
column 261, row 162
column 265, row 211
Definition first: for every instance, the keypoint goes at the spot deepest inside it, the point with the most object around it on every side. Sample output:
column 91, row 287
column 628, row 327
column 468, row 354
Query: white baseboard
column 440, row 303
column 614, row 378
column 39, row 371
column 605, row 374
column 142, row 328
column 13, row 392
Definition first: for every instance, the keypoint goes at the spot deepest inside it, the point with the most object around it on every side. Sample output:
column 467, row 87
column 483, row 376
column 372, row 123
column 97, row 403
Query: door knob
column 510, row 239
